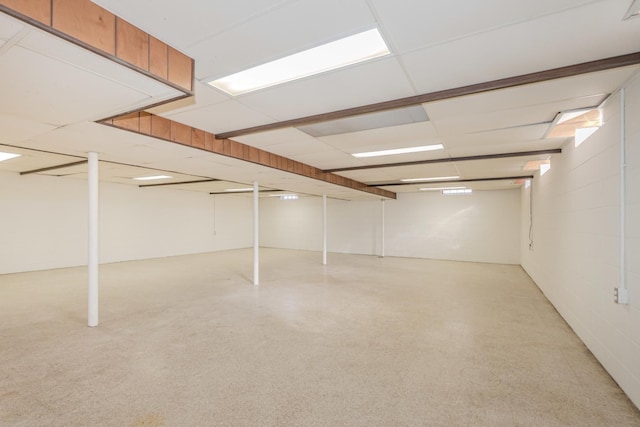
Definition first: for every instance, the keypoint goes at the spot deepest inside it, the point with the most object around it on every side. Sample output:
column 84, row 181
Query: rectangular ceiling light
column 7, row 156
column 151, row 178
column 289, row 197
column 457, row 191
column 435, row 178
column 340, row 53
column 399, row 151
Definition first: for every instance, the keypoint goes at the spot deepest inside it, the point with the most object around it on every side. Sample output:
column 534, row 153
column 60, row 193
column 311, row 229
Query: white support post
column 324, row 229
column 382, row 231
column 93, row 241
column 256, row 235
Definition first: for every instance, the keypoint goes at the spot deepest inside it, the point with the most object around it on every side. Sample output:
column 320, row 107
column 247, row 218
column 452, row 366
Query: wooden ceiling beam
column 453, row 181
column 449, row 159
column 509, row 82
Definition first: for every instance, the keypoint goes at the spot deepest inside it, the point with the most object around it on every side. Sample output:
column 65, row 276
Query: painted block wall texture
column 576, row 258
column 44, row 222
column 482, row 227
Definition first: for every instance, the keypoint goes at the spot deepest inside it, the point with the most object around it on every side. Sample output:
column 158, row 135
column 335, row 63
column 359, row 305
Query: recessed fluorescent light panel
column 151, row 178
column 634, row 10
column 457, row 191
column 399, row 151
column 436, row 178
column 289, row 197
column 7, row 156
column 340, row 53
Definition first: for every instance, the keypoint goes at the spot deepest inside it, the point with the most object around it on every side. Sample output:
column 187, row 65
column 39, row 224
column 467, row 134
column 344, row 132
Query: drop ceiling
column 53, row 92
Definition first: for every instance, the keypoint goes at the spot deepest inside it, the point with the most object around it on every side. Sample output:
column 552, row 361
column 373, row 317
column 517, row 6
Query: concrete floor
column 188, row 341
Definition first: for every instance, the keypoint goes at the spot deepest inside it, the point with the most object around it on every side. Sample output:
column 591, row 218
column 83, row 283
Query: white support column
column 256, row 235
column 93, row 240
column 382, row 231
column 324, row 229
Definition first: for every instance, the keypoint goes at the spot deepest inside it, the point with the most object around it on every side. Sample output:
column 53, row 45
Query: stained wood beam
column 450, row 159
column 453, row 181
column 50, row 168
column 509, row 82
column 148, row 124
column 95, row 29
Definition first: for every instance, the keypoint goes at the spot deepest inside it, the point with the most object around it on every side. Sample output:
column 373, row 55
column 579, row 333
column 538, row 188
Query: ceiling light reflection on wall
column 399, row 151
column 340, row 53
column 7, row 156
column 544, row 168
column 151, row 178
column 572, row 124
column 582, row 134
column 435, row 178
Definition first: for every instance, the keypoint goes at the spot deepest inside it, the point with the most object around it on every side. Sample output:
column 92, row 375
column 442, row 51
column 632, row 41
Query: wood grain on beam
column 91, row 27
column 509, row 82
column 169, row 130
column 39, row 10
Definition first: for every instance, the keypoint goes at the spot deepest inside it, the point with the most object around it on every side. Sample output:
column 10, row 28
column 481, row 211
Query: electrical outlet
column 621, row 295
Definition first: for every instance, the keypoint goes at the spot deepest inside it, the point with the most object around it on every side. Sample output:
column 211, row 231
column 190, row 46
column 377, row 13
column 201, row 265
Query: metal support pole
column 93, row 241
column 324, row 229
column 256, row 235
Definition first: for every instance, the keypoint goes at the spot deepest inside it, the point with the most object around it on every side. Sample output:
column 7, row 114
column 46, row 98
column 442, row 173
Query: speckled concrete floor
column 188, row 341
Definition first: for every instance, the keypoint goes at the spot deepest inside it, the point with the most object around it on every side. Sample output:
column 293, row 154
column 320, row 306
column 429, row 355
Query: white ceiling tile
column 31, row 160
column 413, row 24
column 221, row 117
column 496, row 137
column 195, row 19
column 592, row 32
column 9, row 27
column 275, row 137
column 413, row 134
column 365, row 83
column 583, row 90
column 205, row 95
column 328, row 160
column 49, row 91
column 79, row 58
column 476, row 149
column 418, row 171
column 16, row 129
column 300, row 25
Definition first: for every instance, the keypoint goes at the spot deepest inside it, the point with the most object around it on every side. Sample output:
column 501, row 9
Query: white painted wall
column 44, row 222
column 481, row 227
column 575, row 259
